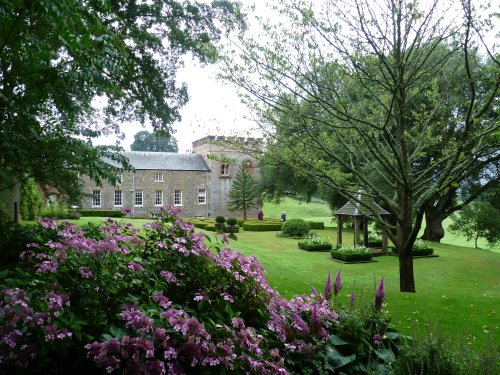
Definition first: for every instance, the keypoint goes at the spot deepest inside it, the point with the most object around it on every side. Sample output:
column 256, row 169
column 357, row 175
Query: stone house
column 198, row 183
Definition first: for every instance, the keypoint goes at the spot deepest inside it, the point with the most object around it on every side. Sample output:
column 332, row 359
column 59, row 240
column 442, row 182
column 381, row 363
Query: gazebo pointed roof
column 362, row 206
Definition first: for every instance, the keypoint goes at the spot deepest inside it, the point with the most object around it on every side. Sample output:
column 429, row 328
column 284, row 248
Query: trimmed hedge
column 417, row 252
column 261, row 226
column 351, row 255
column 232, row 229
column 199, row 224
column 314, row 246
column 316, row 225
column 102, row 213
column 375, row 243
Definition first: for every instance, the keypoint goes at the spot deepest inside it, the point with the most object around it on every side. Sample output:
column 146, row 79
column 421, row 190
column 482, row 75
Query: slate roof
column 365, row 208
column 168, row 161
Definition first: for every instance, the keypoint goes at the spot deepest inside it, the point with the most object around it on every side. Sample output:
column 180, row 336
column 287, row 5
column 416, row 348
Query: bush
column 220, row 219
column 352, row 254
column 316, row 225
column 315, row 244
column 232, row 221
column 295, row 228
column 101, row 213
column 261, row 226
column 101, row 299
column 420, row 249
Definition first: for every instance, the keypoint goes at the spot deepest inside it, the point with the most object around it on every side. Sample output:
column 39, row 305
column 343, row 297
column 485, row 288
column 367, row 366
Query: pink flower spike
column 337, row 285
column 379, row 295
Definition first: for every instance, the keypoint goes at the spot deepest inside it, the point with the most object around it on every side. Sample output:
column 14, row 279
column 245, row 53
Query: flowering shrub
column 105, row 299
column 351, row 254
column 315, row 244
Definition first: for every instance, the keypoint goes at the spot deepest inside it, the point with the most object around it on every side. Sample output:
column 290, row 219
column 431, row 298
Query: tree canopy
column 71, row 71
column 357, row 93
column 146, row 141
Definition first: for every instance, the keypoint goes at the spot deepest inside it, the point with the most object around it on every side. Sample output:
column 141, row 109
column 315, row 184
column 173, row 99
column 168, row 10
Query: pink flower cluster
column 17, row 342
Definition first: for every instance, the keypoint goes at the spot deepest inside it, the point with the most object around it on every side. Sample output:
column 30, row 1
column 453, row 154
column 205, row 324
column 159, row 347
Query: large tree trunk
column 406, row 277
column 434, row 230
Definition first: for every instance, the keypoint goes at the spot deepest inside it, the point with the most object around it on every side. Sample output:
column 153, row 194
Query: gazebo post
column 356, row 231
column 339, row 231
column 365, row 231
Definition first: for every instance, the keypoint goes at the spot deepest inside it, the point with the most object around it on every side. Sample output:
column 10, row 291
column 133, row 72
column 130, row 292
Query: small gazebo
column 359, row 210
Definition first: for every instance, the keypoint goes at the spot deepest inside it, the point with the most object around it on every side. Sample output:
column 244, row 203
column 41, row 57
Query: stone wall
column 188, row 182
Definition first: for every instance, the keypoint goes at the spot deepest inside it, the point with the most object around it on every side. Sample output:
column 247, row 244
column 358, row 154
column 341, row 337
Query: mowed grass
column 457, row 292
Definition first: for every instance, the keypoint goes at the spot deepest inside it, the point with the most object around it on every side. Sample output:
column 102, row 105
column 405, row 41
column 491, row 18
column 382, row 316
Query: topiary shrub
column 295, row 228
column 232, row 221
column 220, row 219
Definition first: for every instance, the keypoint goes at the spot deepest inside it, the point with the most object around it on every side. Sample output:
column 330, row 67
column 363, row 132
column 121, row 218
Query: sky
column 214, row 108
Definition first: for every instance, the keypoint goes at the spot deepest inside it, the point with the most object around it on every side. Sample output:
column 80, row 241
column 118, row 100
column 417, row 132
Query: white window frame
column 202, row 196
column 177, row 197
column 158, row 198
column 224, row 169
column 138, row 196
column 120, row 201
column 96, row 198
column 158, row 177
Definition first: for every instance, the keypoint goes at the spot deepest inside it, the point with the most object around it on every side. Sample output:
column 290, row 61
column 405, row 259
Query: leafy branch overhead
column 72, row 71
column 389, row 98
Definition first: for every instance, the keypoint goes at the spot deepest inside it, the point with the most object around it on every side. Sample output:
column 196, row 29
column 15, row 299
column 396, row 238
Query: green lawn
column 459, row 291
column 319, row 211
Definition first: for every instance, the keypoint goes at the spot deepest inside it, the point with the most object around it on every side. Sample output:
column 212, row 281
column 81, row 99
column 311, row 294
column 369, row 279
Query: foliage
column 260, row 227
column 60, row 59
column 413, row 110
column 232, row 221
column 102, row 213
column 295, row 228
column 146, row 141
column 103, row 298
column 316, row 224
column 14, row 239
column 244, row 194
column 418, row 251
column 220, row 219
column 352, row 254
column 31, row 200
column 480, row 220
column 315, row 244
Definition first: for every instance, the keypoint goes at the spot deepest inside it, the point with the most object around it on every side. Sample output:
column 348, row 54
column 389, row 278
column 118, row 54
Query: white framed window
column 159, row 198
column 158, row 177
column 202, row 196
column 118, row 198
column 138, row 198
column 178, row 198
column 96, row 198
column 224, row 169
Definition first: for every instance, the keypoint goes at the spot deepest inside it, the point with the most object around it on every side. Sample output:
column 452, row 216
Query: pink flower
column 338, row 285
column 85, row 272
column 379, row 295
column 328, row 288
column 133, row 266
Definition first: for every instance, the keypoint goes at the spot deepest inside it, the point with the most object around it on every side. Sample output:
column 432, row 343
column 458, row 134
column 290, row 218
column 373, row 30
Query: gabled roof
column 362, row 206
column 168, row 161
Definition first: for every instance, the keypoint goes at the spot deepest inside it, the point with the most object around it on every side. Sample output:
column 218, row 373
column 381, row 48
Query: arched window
column 248, row 167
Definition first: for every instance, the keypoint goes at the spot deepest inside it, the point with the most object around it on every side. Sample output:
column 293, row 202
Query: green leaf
column 386, row 355
column 336, row 340
column 335, row 360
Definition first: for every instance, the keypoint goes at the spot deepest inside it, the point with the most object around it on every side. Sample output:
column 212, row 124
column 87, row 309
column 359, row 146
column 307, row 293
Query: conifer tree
column 244, row 194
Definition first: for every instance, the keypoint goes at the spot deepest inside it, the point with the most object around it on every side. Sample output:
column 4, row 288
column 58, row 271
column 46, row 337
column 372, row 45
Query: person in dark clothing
column 283, row 216
column 260, row 215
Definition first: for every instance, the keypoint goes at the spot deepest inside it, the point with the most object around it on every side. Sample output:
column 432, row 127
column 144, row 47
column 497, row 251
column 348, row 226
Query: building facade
column 197, row 183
